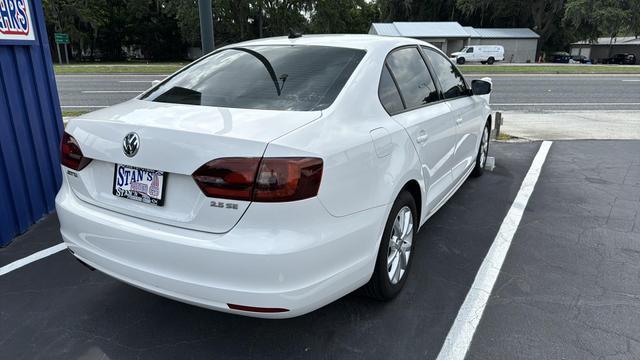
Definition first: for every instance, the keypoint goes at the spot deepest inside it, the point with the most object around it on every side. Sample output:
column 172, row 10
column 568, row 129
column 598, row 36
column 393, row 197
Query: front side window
column 287, row 77
column 452, row 82
column 413, row 78
column 470, row 50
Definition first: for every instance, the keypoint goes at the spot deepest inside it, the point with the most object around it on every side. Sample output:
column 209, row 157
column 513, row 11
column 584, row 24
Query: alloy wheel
column 400, row 245
column 484, row 148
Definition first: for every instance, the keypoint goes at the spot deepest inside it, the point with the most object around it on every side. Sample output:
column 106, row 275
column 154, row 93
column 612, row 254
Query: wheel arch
column 488, row 121
column 413, row 187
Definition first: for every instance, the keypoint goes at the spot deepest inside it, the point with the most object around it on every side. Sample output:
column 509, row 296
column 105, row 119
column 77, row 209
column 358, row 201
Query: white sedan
column 274, row 176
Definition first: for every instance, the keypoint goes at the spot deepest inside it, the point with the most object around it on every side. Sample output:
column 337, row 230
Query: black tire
column 491, row 60
column 380, row 286
column 461, row 61
column 483, row 62
column 478, row 169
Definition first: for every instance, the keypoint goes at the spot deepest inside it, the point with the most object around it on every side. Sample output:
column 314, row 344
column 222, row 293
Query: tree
column 546, row 20
column 162, row 29
column 395, row 10
column 342, row 16
column 81, row 19
column 594, row 18
column 634, row 18
column 185, row 13
column 471, row 7
column 152, row 29
column 281, row 15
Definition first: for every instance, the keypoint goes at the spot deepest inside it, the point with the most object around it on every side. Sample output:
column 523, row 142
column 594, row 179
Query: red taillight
column 262, row 180
column 71, row 155
column 256, row 309
column 228, row 178
column 287, row 179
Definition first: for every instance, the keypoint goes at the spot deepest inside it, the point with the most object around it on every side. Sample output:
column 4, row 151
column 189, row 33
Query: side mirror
column 480, row 87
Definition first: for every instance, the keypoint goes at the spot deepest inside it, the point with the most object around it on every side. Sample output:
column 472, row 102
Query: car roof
column 355, row 41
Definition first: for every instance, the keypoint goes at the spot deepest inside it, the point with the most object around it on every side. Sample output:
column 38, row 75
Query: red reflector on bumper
column 256, row 309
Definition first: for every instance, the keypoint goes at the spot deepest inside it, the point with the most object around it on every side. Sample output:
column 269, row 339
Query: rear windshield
column 287, row 77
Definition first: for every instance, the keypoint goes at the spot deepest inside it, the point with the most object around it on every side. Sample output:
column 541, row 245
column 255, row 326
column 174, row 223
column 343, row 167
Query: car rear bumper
column 293, row 256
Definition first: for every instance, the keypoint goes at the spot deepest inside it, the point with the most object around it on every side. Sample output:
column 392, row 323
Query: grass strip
column 549, row 69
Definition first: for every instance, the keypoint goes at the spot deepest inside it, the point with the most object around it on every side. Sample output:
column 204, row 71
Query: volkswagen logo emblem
column 131, row 144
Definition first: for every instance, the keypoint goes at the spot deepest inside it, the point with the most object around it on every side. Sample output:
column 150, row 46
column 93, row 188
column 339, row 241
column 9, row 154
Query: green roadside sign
column 62, row 38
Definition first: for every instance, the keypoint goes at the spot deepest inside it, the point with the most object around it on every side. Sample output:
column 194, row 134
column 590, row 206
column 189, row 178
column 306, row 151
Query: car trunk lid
column 177, row 140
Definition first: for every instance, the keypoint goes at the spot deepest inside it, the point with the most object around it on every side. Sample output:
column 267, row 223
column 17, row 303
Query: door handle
column 458, row 121
column 422, row 138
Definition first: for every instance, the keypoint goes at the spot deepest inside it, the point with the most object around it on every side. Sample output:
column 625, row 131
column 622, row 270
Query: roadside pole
column 498, row 124
column 59, row 55
column 206, row 26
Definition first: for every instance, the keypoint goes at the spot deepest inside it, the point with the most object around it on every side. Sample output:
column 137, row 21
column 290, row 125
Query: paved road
column 539, row 93
column 96, row 91
column 513, row 92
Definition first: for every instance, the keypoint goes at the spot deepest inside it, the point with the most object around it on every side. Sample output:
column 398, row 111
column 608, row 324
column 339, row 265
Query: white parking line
column 631, row 80
column 112, row 91
column 31, row 258
column 459, row 338
column 136, row 81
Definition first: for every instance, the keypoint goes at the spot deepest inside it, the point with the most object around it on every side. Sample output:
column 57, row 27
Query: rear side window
column 388, row 93
column 291, row 77
column 411, row 73
column 451, row 81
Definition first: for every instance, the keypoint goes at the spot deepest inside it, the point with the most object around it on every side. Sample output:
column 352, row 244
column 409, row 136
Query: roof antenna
column 294, row 34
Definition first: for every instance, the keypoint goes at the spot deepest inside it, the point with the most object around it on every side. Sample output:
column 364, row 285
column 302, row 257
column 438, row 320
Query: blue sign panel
column 30, row 119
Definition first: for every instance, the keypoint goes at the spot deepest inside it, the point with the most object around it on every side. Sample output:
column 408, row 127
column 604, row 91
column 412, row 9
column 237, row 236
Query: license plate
column 138, row 184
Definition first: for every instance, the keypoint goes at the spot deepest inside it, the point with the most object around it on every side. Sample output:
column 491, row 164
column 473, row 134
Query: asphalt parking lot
column 568, row 289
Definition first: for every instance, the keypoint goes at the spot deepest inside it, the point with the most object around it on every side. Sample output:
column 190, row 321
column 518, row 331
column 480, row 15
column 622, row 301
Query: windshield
column 300, row 78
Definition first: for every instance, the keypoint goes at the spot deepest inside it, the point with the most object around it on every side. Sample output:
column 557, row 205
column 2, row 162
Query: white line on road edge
column 458, row 340
column 538, row 76
column 31, row 258
column 108, row 75
column 630, row 80
column 82, row 106
column 112, row 91
column 135, row 81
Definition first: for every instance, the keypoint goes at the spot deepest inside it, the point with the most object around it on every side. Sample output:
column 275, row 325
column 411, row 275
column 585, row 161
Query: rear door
column 466, row 110
column 424, row 115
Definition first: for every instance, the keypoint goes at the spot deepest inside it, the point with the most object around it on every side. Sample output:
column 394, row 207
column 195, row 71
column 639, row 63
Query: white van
column 486, row 54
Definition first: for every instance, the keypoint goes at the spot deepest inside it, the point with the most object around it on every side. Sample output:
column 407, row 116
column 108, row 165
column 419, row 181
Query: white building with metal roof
column 520, row 44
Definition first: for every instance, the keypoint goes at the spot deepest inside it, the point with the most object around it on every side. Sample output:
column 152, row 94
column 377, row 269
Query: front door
column 465, row 109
